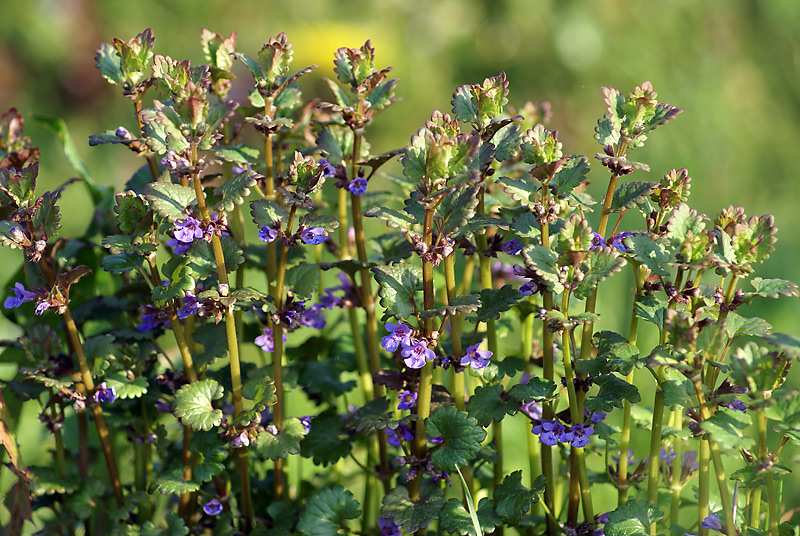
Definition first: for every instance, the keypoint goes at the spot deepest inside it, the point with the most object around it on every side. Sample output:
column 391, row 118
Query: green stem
column 655, row 447
column 547, row 408
column 61, row 460
column 761, row 419
column 677, row 468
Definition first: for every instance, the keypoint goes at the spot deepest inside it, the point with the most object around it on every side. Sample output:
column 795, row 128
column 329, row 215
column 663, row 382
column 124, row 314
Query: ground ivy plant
column 276, row 329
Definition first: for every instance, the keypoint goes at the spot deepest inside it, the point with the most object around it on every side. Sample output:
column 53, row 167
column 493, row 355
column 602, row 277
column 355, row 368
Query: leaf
column 47, row 216
column 727, row 428
column 461, row 304
column 632, row 519
column 234, row 190
column 268, row 213
column 650, row 253
column 521, row 189
column 109, row 63
column 651, row 309
column 193, row 405
column 613, row 390
column 512, row 499
column 598, row 266
column 373, row 415
column 392, row 218
column 238, row 154
column 525, row 224
column 121, row 263
column 173, row 483
column 202, row 258
column 390, row 248
column 126, row 387
column 325, row 442
column 398, row 284
column 455, row 518
column 543, row 261
column 212, row 451
column 302, row 279
column 493, row 302
column 537, row 389
column 162, row 129
column 286, row 442
column 179, row 281
column 772, row 288
column 412, row 515
column 617, row 350
column 323, row 378
column 631, row 193
column 456, row 209
column 260, row 389
column 487, row 404
column 738, row 326
column 326, row 512
column 129, row 244
column 570, row 175
column 170, row 200
column 462, row 437
column 676, row 393
column 175, row 527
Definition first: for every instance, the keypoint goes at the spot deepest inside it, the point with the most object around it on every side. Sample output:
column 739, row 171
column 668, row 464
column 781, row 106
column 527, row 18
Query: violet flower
column 400, row 334
column 314, row 235
column 512, row 247
column 190, row 306
column 241, row 440
column 712, row 523
column 580, row 435
column 306, row 422
column 549, row 432
column 213, row 507
column 388, row 528
column 477, row 359
column 528, row 289
column 417, row 355
column 407, row 399
column 266, row 342
column 267, row 234
column 20, row 296
column 313, row 318
column 393, row 437
column 105, row 394
column 357, row 186
column 328, row 170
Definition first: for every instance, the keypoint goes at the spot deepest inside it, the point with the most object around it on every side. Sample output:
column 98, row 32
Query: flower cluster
column 477, row 359
column 415, row 353
column 614, row 242
column 186, row 231
column 553, row 432
column 22, row 295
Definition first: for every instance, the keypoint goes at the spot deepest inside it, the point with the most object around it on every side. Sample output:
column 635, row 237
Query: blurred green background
column 733, row 66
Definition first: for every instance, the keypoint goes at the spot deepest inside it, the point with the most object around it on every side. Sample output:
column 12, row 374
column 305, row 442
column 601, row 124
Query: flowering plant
column 197, row 350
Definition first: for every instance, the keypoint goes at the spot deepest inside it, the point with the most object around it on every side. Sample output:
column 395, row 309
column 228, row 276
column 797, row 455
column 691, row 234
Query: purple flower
column 313, row 318
column 528, row 289
column 306, row 422
column 187, row 230
column 737, row 405
column 407, row 399
column 477, row 359
column 178, row 247
column 512, row 247
column 416, row 355
column 314, row 235
column 549, row 432
column 20, row 296
column 105, row 394
column 265, row 341
column 174, row 161
column 393, row 437
column 400, row 334
column 213, row 507
column 41, row 307
column 328, row 169
column 151, row 321
column 532, row 409
column 617, row 241
column 388, row 528
column 123, row 134
column 580, row 435
column 594, row 417
column 241, row 440
column 712, row 522
column 598, row 241
column 190, row 306
column 267, row 234
column 357, row 186
column 667, row 456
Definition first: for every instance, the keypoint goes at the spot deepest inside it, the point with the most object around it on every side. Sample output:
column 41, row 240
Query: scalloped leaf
column 727, row 428
column 772, row 288
column 620, row 354
column 631, row 193
column 512, row 499
column 162, row 129
column 597, row 267
column 410, row 515
column 126, row 387
column 737, row 326
column 651, row 309
column 487, row 404
column 494, row 301
column 525, row 224
column 613, row 390
column 173, row 483
column 202, row 259
column 47, row 216
column 170, row 200
column 457, row 209
column 180, row 281
column 325, row 442
column 398, row 284
column 543, row 261
column 234, row 190
column 462, row 438
column 537, row 389
column 260, row 389
column 121, row 263
column 632, row 519
column 238, row 154
column 128, row 244
column 650, row 253
column 468, row 303
column 286, row 442
column 520, row 189
column 302, row 279
column 326, row 512
column 193, row 404
column 570, row 175
column 455, row 518
column 266, row 212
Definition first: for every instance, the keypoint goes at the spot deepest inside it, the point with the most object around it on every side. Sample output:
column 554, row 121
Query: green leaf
column 268, row 213
column 616, row 349
column 487, row 404
column 211, row 450
column 676, row 393
column 506, row 142
column 175, row 527
column 468, row 303
column 162, row 128
column 129, row 244
column 202, row 258
column 494, row 302
column 650, row 253
column 302, row 279
column 525, row 224
column 47, row 217
column 323, row 378
column 238, row 154
column 521, row 189
column 325, row 442
column 392, row 218
column 480, row 104
column 286, row 442
column 727, row 428
column 193, row 404
column 180, row 281
column 455, row 518
column 772, row 288
column 543, row 261
column 390, row 248
column 631, row 193
column 537, row 389
column 512, row 499
column 374, row 416
column 737, row 326
column 83, row 502
column 410, row 515
column 398, row 284
column 570, row 175
column 456, row 210
column 597, row 267
column 214, row 343
column 260, row 389
column 613, row 390
column 170, row 200
column 125, row 387
column 234, row 190
column 326, row 512
column 462, row 437
column 121, row 263
column 632, row 519
column 173, row 483
column 651, row 309
column 109, row 63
